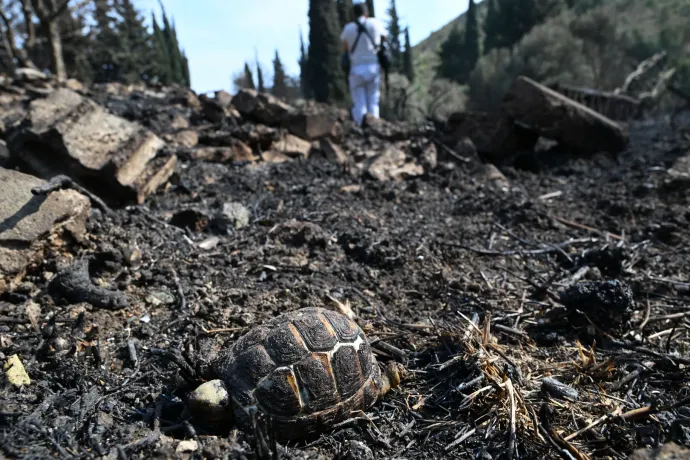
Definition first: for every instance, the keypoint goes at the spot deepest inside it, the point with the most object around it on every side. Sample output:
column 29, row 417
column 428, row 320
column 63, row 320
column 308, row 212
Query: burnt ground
column 418, row 261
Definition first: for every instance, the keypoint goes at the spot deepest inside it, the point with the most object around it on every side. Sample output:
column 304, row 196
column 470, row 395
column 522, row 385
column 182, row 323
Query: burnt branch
column 64, row 182
column 74, row 285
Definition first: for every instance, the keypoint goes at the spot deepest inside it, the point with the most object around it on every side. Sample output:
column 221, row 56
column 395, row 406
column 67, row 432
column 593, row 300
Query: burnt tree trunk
column 30, row 26
column 48, row 13
column 11, row 43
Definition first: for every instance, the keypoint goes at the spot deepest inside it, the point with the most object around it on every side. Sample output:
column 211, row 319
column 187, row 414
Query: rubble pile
column 146, row 229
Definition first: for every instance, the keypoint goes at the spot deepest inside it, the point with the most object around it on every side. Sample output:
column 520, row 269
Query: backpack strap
column 363, row 29
column 359, row 34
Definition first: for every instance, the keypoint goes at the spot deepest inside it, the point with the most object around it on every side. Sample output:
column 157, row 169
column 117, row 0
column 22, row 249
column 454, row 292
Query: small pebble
column 16, row 374
column 188, row 445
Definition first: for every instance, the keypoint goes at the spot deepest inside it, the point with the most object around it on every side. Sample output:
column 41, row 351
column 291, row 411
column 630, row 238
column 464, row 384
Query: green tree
column 394, row 37
column 304, row 69
column 408, row 66
column 260, row 79
column 136, row 42
column 248, row 77
column 280, row 88
column 173, row 49
column 471, row 43
column 162, row 68
column 493, row 29
column 510, row 20
column 326, row 77
column 171, row 64
column 107, row 51
column 345, row 12
column 185, row 70
column 452, row 62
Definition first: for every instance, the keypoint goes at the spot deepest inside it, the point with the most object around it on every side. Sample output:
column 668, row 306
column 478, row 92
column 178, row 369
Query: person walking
column 361, row 41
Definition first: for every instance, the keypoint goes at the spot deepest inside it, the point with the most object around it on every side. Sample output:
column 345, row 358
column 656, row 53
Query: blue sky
column 220, row 35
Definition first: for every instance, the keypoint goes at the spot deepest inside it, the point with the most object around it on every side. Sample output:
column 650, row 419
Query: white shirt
column 365, row 53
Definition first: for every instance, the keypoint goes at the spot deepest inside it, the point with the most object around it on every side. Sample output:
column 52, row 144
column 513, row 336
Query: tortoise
column 307, row 370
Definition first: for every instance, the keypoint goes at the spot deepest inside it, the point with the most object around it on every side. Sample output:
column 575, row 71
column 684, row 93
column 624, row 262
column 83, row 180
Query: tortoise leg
column 391, row 379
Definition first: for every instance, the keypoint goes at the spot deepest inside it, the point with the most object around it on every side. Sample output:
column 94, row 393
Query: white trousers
column 365, row 88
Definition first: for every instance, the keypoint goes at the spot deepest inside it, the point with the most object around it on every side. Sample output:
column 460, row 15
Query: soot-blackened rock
column 608, row 304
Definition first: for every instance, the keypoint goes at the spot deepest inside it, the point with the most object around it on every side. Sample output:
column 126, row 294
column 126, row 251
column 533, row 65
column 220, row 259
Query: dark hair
column 360, row 9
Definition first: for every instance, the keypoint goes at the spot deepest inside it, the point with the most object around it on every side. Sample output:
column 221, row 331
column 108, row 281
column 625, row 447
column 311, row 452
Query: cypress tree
column 173, row 49
column 345, row 12
column 304, row 69
column 248, row 77
column 326, row 75
column 279, row 78
column 452, row 65
column 107, row 48
column 394, row 37
column 162, row 67
column 471, row 45
column 493, row 30
column 408, row 67
column 185, row 71
column 137, row 43
column 260, row 78
column 370, row 7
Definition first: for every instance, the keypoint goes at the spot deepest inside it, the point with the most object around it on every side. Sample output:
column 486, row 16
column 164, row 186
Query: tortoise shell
column 306, row 369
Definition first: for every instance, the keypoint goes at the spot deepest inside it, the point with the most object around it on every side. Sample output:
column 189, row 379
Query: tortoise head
column 211, row 402
column 395, row 372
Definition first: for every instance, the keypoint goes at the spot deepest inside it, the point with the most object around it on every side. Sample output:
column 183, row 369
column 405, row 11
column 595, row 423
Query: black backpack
column 382, row 51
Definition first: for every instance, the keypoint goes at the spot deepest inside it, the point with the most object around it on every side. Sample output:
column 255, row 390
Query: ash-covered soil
column 465, row 282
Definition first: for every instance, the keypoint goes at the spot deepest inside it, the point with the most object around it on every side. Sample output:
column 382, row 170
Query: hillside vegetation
column 592, row 43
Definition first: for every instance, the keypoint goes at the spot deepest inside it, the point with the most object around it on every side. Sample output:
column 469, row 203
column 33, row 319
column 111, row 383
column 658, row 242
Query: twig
column 65, row 182
column 460, row 439
column 570, row 223
column 551, row 249
column 647, row 351
column 631, row 376
column 512, row 438
column 510, row 330
column 646, row 316
column 180, row 293
column 592, row 425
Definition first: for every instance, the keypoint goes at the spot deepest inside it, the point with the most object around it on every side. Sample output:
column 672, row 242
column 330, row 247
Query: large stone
column 557, row 117
column 237, row 151
column 4, row 154
column 384, row 129
column 313, row 125
column 493, row 137
column 28, row 220
column 212, row 109
column 292, row 146
column 669, row 451
column 334, row 152
column 72, row 135
column 187, row 138
column 261, row 107
column 392, row 164
column 27, row 74
column 223, row 97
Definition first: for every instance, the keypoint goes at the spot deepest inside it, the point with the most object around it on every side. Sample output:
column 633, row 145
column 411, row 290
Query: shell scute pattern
column 301, row 364
column 316, row 331
column 280, row 394
column 347, row 330
column 285, row 345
